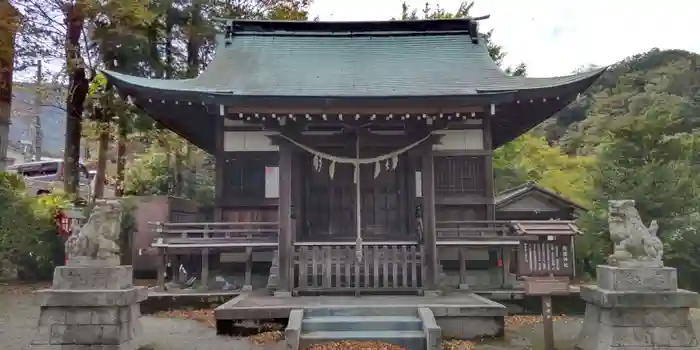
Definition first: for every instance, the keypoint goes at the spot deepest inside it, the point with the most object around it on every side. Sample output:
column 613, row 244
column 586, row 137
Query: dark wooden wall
column 460, row 188
column 243, row 187
column 463, row 183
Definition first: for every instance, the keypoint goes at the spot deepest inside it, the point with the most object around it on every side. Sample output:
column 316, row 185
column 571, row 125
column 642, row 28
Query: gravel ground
column 18, row 317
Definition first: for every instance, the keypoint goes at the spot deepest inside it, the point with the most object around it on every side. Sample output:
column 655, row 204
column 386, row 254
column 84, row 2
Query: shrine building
column 358, row 155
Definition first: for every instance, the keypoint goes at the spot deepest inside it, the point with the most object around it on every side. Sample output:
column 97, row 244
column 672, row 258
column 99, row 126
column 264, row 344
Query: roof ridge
column 468, row 25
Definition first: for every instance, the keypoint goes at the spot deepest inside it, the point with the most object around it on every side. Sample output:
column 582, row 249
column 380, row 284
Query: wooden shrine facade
column 368, row 145
column 444, row 177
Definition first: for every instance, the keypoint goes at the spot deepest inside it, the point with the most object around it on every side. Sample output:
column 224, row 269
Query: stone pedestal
column 89, row 308
column 637, row 309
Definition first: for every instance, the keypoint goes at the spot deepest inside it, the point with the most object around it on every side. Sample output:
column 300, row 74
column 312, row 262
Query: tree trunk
column 101, row 176
column 122, row 133
column 174, row 158
column 8, row 28
column 193, row 66
column 78, row 86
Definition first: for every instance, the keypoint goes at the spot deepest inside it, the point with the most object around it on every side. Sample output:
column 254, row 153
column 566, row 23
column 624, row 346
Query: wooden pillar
column 160, row 278
column 430, row 259
column 218, row 212
column 507, row 257
column 284, row 240
column 219, row 178
column 204, row 285
column 489, row 180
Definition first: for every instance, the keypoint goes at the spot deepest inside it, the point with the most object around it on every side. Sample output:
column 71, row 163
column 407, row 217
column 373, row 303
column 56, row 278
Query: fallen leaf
column 517, row 321
column 355, row 345
column 22, row 288
column 266, row 338
column 204, row 316
column 145, row 283
column 455, row 344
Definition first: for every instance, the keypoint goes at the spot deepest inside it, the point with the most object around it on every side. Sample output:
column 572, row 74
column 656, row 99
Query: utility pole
column 37, row 141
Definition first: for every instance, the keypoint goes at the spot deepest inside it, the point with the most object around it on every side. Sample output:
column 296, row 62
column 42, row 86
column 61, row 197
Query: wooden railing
column 214, row 235
column 476, row 232
column 333, row 266
column 173, row 239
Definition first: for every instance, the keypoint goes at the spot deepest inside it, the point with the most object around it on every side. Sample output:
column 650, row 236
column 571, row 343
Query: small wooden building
column 530, row 201
column 367, row 145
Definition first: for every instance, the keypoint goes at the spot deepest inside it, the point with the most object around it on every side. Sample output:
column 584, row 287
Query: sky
column 556, row 37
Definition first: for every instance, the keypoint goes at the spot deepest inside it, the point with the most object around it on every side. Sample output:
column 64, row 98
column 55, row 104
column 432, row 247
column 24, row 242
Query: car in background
column 43, row 176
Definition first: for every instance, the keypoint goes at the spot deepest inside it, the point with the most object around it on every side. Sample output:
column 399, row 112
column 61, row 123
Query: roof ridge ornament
column 474, row 31
column 474, row 27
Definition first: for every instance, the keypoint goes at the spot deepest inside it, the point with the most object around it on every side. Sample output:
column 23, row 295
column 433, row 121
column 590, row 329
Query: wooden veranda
column 385, row 267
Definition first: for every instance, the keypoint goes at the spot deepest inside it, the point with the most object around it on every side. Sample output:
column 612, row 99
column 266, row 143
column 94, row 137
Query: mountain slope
column 622, row 93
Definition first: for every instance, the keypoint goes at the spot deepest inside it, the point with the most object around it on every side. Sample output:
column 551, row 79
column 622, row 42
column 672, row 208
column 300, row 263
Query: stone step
column 411, row 340
column 362, row 323
column 339, row 310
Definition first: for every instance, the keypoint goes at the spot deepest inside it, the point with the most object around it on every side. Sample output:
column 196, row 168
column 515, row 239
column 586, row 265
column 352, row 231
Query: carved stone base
column 89, row 307
column 637, row 308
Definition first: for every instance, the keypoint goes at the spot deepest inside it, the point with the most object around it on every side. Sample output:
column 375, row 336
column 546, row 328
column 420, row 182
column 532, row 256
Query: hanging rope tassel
column 317, row 163
column 377, row 169
column 331, row 170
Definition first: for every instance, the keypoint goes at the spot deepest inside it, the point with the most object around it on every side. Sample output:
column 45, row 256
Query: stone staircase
column 410, row 328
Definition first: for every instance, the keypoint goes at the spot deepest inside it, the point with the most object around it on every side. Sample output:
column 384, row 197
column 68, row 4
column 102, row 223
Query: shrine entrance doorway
column 330, row 203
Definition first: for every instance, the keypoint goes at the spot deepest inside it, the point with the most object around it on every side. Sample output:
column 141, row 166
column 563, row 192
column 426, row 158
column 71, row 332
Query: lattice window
column 244, row 177
column 459, row 174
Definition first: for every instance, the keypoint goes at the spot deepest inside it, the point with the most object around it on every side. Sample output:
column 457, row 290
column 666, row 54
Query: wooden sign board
column 546, row 258
column 540, row 286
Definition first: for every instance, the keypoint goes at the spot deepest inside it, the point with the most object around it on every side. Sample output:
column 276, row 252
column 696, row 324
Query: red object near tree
column 64, row 227
column 63, row 224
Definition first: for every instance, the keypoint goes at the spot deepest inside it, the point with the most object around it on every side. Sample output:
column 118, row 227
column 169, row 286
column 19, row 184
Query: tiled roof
column 346, row 64
column 512, row 194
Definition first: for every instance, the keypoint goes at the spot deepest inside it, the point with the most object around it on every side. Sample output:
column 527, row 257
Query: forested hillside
column 634, row 135
column 626, row 89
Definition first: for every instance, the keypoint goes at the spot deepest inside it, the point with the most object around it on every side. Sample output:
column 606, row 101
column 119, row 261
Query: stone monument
column 92, row 303
column 636, row 303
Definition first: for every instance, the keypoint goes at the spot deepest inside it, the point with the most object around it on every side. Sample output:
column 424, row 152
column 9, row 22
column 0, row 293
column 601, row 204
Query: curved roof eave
column 505, row 91
column 524, row 84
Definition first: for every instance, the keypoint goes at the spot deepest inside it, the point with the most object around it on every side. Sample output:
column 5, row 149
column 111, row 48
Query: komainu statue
column 96, row 242
column 635, row 244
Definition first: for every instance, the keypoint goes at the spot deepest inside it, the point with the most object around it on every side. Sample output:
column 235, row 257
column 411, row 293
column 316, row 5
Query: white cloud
column 554, row 37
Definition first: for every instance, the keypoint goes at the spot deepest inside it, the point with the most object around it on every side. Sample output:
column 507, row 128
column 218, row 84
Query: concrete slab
column 259, row 306
column 163, row 301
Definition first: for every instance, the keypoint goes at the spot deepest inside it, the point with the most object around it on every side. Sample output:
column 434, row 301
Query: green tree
column 650, row 157
column 150, row 175
column 28, row 238
column 531, row 158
